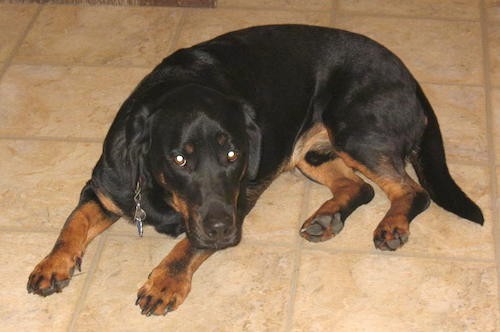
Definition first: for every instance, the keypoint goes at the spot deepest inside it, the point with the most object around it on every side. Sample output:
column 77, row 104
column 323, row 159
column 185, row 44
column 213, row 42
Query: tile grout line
column 20, row 40
column 88, row 281
column 490, row 138
column 290, row 310
column 334, row 12
column 347, row 13
column 52, row 139
column 467, row 162
column 352, row 13
column 451, row 84
column 177, row 33
column 400, row 254
column 77, row 64
column 264, row 9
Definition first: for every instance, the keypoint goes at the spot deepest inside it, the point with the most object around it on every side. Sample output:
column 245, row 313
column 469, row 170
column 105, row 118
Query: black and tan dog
column 204, row 134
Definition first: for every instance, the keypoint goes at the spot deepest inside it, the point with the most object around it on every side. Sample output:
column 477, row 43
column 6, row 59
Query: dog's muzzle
column 217, row 228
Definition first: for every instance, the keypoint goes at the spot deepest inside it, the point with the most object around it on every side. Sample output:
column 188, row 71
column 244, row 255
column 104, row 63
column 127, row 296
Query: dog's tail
column 430, row 165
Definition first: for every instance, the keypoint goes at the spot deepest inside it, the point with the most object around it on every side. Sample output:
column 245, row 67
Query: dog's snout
column 219, row 225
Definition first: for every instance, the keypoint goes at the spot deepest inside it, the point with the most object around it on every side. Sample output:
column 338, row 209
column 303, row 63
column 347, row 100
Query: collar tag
column 139, row 214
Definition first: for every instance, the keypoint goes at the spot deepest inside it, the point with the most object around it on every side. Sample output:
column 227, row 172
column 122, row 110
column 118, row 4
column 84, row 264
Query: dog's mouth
column 199, row 243
column 202, row 239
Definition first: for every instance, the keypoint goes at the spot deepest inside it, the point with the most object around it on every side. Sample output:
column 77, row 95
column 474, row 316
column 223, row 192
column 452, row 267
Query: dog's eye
column 180, row 160
column 232, row 156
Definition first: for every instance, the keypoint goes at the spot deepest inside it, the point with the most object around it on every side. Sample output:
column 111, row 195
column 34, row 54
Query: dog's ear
column 138, row 138
column 254, row 142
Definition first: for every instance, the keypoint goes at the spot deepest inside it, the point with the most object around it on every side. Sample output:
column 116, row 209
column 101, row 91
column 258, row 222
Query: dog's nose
column 218, row 231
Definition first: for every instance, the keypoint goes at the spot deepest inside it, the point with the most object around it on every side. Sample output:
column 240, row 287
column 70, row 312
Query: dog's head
column 202, row 147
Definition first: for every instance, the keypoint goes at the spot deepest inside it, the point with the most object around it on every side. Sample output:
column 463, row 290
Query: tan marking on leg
column 349, row 191
column 108, row 203
column 170, row 282
column 403, row 192
column 314, row 139
column 54, row 271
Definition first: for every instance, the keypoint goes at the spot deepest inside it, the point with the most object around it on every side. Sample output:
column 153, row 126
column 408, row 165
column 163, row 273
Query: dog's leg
column 349, row 192
column 408, row 199
column 170, row 282
column 89, row 219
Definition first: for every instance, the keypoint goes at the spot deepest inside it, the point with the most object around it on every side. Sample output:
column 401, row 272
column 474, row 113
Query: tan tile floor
column 64, row 70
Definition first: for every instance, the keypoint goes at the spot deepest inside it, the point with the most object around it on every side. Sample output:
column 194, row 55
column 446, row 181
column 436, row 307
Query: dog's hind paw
column 390, row 238
column 322, row 227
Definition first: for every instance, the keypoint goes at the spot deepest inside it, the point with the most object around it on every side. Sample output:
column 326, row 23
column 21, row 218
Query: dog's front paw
column 53, row 273
column 163, row 292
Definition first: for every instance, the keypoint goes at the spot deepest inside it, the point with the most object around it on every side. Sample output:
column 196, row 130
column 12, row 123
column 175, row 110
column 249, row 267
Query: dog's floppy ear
column 138, row 138
column 254, row 142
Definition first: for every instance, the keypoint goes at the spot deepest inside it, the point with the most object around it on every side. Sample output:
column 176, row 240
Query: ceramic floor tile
column 55, row 101
column 498, row 184
column 435, row 51
column 494, row 50
column 435, row 232
column 239, row 289
column 201, row 25
column 41, row 181
column 388, row 293
column 14, row 20
column 498, row 189
column 21, row 311
column 462, row 119
column 493, row 10
column 277, row 4
column 495, row 103
column 137, row 36
column 465, row 9
column 275, row 217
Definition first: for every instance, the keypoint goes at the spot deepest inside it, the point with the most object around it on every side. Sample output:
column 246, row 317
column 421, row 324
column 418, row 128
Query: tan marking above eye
column 180, row 160
column 221, row 138
column 189, row 148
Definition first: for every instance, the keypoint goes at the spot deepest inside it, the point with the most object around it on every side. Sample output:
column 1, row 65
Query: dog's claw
column 170, row 306
column 153, row 307
column 78, row 263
